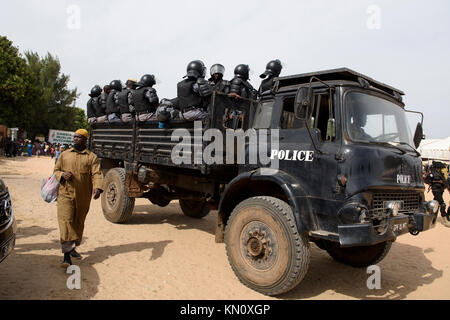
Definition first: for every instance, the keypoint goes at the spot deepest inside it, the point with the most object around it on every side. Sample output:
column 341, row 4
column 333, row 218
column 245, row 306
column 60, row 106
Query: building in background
column 435, row 149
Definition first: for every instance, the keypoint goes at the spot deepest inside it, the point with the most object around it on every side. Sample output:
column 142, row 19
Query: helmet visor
column 217, row 68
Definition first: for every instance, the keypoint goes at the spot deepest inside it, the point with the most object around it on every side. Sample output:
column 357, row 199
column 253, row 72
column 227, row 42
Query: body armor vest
column 91, row 109
column 241, row 87
column 123, row 101
column 187, row 98
column 98, row 107
column 266, row 85
column 221, row 86
column 111, row 106
column 141, row 102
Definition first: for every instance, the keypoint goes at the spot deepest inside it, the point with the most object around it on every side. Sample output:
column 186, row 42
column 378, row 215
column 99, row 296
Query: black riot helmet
column 242, row 71
column 273, row 68
column 217, row 69
column 196, row 69
column 147, row 80
column 96, row 91
column 116, row 85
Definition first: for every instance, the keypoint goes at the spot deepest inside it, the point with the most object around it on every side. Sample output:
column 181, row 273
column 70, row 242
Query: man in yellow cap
column 78, row 171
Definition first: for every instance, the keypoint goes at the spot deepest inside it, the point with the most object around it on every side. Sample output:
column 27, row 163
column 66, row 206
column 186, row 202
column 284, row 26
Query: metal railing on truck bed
column 147, row 143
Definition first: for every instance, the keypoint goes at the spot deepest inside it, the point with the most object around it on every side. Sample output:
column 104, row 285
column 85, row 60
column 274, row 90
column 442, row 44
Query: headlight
column 393, row 207
column 433, row 206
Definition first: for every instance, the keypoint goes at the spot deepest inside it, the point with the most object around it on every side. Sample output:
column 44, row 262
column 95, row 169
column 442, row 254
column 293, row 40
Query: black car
column 7, row 223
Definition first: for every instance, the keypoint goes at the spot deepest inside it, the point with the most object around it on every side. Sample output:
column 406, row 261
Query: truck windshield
column 376, row 120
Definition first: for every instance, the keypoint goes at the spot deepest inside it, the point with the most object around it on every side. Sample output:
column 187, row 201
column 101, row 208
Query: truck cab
column 347, row 167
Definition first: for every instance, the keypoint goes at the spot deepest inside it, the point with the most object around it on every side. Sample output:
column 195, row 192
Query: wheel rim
column 258, row 246
column 112, row 195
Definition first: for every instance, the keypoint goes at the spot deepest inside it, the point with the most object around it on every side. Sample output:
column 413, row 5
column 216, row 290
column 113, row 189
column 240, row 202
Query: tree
column 52, row 108
column 80, row 119
column 13, row 82
column 34, row 94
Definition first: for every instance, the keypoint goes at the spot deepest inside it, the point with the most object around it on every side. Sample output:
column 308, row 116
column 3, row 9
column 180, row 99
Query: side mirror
column 418, row 136
column 302, row 103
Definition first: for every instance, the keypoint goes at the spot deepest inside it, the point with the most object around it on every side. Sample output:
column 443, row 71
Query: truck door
column 316, row 171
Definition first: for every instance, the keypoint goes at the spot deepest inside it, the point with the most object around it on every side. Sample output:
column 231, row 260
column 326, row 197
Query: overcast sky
column 401, row 43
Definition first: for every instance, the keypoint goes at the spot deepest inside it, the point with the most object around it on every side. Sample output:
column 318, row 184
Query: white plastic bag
column 49, row 189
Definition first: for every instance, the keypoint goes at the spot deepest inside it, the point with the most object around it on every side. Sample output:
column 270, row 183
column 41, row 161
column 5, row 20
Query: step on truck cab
column 338, row 168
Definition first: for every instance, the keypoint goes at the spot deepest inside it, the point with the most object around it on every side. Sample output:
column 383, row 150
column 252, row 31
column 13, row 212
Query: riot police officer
column 93, row 104
column 217, row 82
column 102, row 117
column 145, row 99
column 273, row 70
column 438, row 183
column 194, row 92
column 240, row 86
column 123, row 99
column 112, row 107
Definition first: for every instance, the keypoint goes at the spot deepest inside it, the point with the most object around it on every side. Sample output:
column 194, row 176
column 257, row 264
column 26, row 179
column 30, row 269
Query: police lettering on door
column 293, row 155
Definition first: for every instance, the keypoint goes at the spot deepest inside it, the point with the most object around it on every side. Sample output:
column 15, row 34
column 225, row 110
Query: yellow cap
column 132, row 80
column 83, row 132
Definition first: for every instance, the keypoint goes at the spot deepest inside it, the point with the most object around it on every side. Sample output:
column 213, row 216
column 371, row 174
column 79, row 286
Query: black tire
column 117, row 206
column 358, row 257
column 194, row 208
column 264, row 248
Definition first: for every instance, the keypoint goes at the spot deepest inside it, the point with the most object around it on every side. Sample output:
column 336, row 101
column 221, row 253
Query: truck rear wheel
column 358, row 257
column 264, row 248
column 117, row 206
column 194, row 208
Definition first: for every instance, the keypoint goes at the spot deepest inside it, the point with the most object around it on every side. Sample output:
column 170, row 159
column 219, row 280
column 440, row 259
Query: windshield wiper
column 407, row 144
column 389, row 144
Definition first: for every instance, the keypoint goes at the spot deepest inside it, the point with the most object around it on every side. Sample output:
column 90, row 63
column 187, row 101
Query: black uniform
column 91, row 109
column 145, row 100
column 123, row 101
column 436, row 179
column 242, row 88
column 188, row 98
column 220, row 86
column 267, row 84
column 102, row 111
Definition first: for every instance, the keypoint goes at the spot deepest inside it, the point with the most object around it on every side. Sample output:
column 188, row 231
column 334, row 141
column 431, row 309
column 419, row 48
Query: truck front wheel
column 194, row 209
column 358, row 257
column 117, row 206
column 264, row 248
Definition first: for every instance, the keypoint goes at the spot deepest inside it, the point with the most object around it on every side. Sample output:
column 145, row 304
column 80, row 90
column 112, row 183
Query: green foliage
column 13, row 81
column 34, row 95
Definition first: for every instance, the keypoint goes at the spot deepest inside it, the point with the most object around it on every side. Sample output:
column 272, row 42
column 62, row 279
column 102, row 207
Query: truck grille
column 411, row 201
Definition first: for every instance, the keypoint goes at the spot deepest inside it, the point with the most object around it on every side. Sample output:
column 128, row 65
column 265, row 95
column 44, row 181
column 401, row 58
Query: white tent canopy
column 435, row 149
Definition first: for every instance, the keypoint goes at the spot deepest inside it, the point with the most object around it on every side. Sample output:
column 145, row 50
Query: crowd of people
column 29, row 148
column 139, row 101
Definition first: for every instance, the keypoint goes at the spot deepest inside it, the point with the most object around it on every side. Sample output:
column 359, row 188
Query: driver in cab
column 356, row 128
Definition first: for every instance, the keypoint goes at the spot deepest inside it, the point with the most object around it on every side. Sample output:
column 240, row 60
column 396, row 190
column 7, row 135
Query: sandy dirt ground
column 161, row 254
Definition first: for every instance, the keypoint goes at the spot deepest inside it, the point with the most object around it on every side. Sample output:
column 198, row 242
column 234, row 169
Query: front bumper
column 8, row 239
column 364, row 234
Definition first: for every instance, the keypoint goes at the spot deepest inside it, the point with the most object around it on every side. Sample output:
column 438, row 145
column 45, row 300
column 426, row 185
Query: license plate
column 400, row 227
